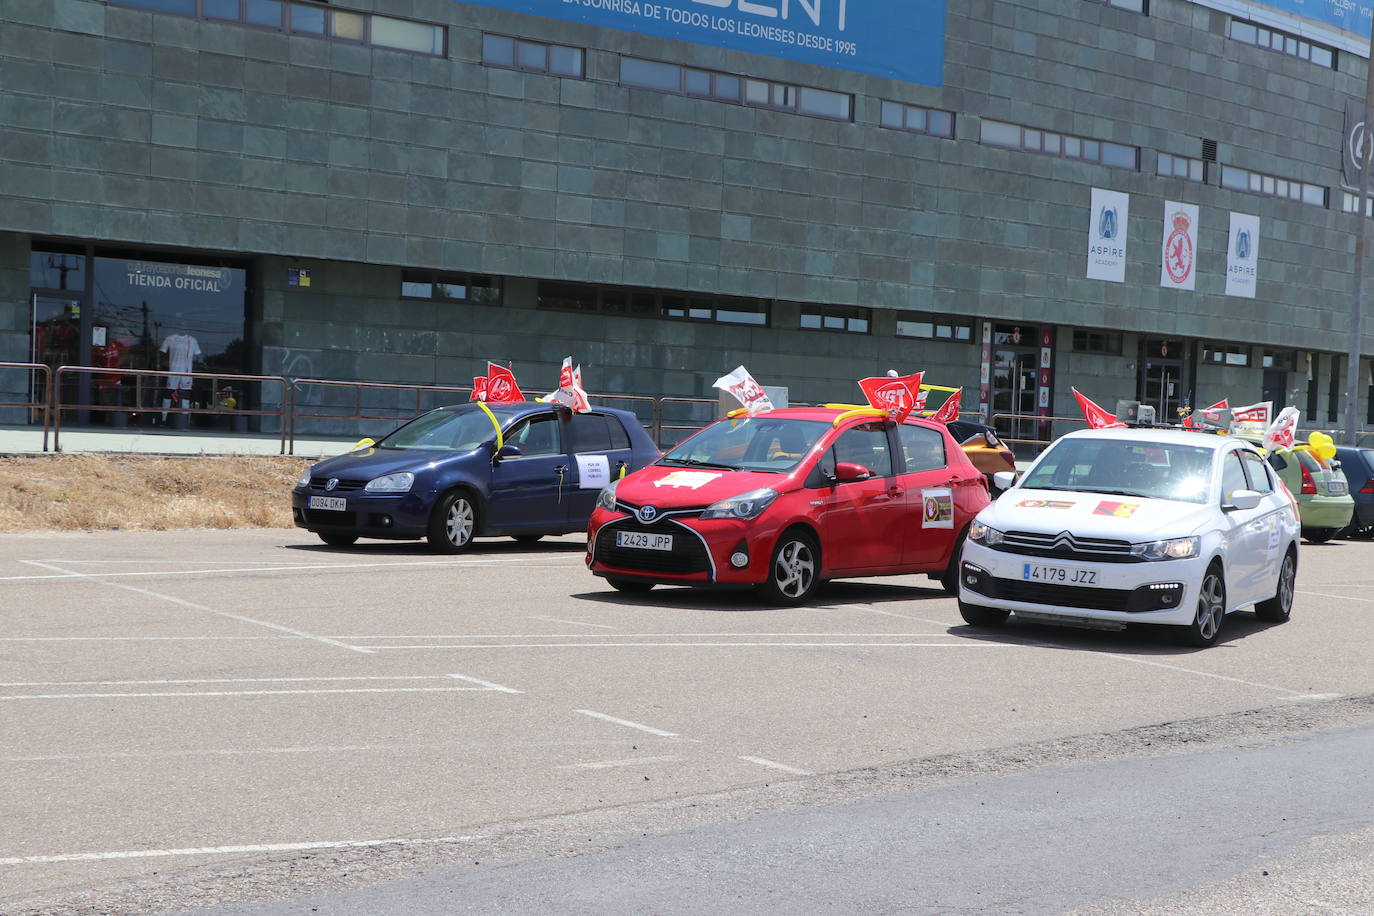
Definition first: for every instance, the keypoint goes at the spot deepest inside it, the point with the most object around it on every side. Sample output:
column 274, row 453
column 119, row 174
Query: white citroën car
column 1117, row 526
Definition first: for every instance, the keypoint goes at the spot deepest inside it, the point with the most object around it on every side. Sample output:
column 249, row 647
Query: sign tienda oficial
column 903, row 41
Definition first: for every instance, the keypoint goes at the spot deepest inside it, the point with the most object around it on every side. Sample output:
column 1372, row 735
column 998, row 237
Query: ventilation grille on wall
column 1209, row 150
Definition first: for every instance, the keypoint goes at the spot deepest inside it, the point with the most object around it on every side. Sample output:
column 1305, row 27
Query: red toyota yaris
column 788, row 499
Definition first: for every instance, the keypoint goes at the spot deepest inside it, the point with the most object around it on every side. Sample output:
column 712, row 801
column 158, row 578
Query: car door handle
column 894, row 492
column 561, row 469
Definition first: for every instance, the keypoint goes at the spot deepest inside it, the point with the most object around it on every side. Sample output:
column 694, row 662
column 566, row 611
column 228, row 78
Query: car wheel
column 949, row 579
column 793, row 573
column 1278, row 608
column 1319, row 535
column 338, row 540
column 526, row 540
column 978, row 616
column 629, row 586
column 453, row 523
column 1211, row 611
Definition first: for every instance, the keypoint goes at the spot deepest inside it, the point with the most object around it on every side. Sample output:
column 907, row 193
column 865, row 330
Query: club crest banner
column 1178, row 252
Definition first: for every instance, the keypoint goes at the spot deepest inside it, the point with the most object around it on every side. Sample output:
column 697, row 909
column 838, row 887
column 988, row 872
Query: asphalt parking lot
column 178, row 708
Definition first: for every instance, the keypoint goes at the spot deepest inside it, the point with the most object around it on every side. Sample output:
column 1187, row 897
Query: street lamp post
column 1352, row 360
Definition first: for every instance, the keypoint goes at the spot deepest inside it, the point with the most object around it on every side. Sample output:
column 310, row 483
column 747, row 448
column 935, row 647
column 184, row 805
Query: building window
column 740, row 90
column 1351, row 202
column 1284, row 360
column 1107, row 342
column 1134, row 6
column 1314, row 368
column 533, row 56
column 1334, row 383
column 1226, row 354
column 933, row 327
column 1272, row 186
column 853, row 319
column 644, row 303
column 1034, row 140
column 1170, row 166
column 1252, row 33
column 314, row 19
column 919, row 120
column 442, row 287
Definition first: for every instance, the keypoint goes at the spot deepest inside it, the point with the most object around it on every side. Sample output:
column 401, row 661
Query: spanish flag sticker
column 1120, row 510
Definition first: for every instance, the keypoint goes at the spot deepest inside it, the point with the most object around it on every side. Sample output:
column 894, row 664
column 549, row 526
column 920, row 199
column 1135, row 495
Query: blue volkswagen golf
column 447, row 476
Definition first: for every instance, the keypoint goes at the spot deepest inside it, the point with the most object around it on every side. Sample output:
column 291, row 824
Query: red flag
column 479, row 388
column 501, row 385
column 950, row 410
column 1191, row 421
column 1096, row 416
column 898, row 396
column 565, row 375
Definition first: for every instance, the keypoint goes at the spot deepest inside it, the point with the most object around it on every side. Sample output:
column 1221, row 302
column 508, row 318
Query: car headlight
column 746, row 505
column 606, row 498
column 1169, row 549
column 984, row 534
column 391, row 483
column 304, row 480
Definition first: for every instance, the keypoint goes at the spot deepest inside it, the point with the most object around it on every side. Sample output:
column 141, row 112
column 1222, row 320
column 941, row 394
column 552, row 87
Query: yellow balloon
column 1325, row 452
column 1317, row 440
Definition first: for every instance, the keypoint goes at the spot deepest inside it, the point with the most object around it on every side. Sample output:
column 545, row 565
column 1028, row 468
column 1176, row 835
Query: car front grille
column 320, row 484
column 687, row 556
column 1099, row 599
column 1065, row 546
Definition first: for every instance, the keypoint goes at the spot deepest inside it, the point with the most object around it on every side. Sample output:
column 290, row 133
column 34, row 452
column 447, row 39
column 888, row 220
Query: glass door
column 1014, row 376
column 56, row 342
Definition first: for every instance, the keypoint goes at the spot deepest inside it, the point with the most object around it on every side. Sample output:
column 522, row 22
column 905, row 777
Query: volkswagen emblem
column 646, row 514
column 333, row 482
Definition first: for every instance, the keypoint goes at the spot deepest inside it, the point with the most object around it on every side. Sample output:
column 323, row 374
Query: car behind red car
column 788, row 499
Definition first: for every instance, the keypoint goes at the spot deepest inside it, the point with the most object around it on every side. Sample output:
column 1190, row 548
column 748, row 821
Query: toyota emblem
column 333, row 482
column 647, row 514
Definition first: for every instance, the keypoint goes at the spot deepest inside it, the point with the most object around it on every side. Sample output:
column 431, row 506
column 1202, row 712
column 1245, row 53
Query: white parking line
column 771, row 764
column 713, row 645
column 232, row 850
column 487, row 684
column 1338, row 597
column 869, row 609
column 576, row 623
column 610, row 764
column 236, row 693
column 256, row 680
column 314, row 567
column 208, row 610
column 1208, row 674
column 627, row 723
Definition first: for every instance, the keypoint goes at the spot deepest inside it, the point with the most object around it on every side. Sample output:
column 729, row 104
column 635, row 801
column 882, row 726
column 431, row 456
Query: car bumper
column 703, row 552
column 1160, row 592
column 1326, row 511
column 404, row 515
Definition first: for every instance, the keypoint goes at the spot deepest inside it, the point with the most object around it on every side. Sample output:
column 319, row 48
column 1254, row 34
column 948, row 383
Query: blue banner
column 905, row 40
column 1348, row 15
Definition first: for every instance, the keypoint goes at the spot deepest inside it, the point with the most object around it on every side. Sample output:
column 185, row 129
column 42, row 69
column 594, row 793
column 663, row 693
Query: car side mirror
column 508, row 451
column 1242, row 499
column 1004, row 479
column 846, row 471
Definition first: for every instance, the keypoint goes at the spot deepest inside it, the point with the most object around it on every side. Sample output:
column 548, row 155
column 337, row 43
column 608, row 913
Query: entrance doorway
column 1015, row 374
column 1165, row 380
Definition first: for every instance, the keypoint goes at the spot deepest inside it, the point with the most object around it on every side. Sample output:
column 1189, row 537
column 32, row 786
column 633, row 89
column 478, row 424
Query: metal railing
column 141, row 392
column 1020, row 421
column 359, row 412
column 35, row 406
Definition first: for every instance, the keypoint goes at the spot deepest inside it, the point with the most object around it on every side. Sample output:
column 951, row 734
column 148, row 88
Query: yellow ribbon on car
column 500, row 439
column 858, row 412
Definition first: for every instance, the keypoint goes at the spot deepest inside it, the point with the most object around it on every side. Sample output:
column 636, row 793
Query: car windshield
column 1153, row 470
column 459, row 430
column 760, row 443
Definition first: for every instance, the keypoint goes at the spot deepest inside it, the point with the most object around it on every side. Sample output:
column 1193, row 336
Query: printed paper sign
column 1107, row 235
column 747, row 391
column 691, row 480
column 937, row 508
column 1119, row 510
column 593, row 471
column 1178, row 253
column 1242, row 256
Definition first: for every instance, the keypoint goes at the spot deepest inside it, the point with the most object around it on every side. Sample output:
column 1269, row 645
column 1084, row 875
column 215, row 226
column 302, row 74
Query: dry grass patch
column 78, row 492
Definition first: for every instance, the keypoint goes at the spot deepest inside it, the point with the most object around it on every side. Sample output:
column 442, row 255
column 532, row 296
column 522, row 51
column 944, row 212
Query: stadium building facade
column 1140, row 198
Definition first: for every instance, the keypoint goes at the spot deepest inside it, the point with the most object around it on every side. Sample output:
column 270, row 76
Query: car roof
column 828, row 415
column 521, row 408
column 1156, row 434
